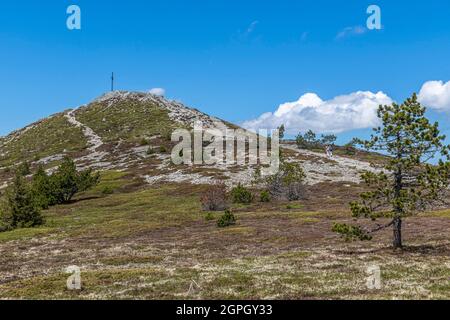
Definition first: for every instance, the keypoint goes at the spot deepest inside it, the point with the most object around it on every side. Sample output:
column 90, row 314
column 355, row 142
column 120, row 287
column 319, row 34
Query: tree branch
column 380, row 227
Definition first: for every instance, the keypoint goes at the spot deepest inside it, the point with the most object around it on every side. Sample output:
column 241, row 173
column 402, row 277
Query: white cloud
column 435, row 95
column 357, row 110
column 158, row 91
column 351, row 31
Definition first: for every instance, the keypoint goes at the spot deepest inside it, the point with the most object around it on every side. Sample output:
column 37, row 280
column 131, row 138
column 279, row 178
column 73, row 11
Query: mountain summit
column 120, row 130
column 131, row 132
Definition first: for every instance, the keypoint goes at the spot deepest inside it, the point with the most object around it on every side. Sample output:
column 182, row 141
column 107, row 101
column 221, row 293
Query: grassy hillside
column 48, row 137
column 137, row 235
column 146, row 243
column 126, row 119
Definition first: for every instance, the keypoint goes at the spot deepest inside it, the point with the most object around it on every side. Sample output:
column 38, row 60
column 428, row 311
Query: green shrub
column 107, row 190
column 226, row 220
column 210, row 216
column 351, row 233
column 4, row 222
column 265, row 196
column 144, row 142
column 150, row 151
column 241, row 195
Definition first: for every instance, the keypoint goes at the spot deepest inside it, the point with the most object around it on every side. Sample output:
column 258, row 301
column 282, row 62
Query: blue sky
column 233, row 59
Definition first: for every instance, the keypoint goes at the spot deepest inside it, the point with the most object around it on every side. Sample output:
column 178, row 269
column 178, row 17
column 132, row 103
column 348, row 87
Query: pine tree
column 281, row 131
column 22, row 210
column 42, row 189
column 409, row 184
column 308, row 140
column 24, row 169
column 329, row 139
column 67, row 181
column 287, row 182
column 310, row 137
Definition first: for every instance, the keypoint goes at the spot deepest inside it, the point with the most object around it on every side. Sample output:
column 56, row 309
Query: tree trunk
column 398, row 209
column 398, row 233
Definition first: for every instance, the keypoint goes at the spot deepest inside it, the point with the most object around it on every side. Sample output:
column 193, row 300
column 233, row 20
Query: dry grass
column 150, row 244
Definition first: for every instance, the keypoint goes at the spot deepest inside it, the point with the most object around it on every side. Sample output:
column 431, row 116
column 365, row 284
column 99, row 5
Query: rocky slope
column 130, row 131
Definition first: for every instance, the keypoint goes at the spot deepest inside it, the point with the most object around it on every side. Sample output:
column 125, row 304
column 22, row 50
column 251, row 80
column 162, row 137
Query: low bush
column 295, row 191
column 215, row 198
column 265, row 196
column 287, row 184
column 226, row 220
column 210, row 216
column 240, row 194
column 107, row 190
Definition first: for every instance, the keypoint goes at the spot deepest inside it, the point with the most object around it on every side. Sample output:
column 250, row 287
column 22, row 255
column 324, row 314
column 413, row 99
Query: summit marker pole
column 112, row 81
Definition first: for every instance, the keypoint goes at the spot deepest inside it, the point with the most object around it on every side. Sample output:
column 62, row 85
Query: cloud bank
column 356, row 110
column 435, row 95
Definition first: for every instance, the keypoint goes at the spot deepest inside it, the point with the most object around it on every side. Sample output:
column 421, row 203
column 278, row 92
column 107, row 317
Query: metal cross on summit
column 112, row 81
